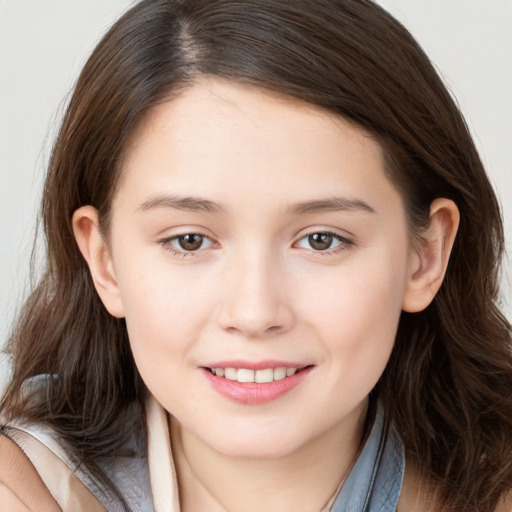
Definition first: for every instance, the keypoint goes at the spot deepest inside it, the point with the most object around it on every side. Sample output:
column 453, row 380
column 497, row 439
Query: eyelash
column 183, row 253
column 344, row 244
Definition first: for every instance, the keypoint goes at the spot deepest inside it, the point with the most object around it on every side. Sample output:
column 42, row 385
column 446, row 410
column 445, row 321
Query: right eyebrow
column 331, row 204
column 177, row 202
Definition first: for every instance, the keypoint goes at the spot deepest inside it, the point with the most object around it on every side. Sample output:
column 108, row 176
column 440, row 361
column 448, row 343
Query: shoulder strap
column 164, row 484
column 63, row 484
column 375, row 481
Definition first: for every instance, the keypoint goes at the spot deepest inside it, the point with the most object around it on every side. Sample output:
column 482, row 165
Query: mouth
column 255, row 383
column 261, row 376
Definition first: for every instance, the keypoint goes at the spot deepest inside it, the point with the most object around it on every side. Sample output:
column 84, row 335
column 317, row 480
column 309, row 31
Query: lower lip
column 253, row 393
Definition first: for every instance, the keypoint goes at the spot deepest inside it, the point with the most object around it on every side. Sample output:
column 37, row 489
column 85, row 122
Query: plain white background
column 43, row 44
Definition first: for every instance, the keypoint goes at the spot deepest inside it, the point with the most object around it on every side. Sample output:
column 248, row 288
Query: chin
column 256, row 445
column 259, row 452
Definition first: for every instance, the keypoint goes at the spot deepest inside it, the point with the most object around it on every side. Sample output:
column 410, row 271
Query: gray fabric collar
column 375, row 481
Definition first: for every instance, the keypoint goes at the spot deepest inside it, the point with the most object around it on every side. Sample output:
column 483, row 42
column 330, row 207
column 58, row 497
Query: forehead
column 217, row 136
column 243, row 106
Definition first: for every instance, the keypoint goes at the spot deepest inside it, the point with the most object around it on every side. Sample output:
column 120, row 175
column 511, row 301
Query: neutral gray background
column 43, row 44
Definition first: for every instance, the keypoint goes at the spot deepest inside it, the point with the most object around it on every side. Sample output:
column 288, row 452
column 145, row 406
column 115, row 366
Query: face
column 261, row 258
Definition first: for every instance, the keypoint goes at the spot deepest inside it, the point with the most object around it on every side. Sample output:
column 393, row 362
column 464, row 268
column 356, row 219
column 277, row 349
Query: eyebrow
column 198, row 204
column 331, row 204
column 186, row 203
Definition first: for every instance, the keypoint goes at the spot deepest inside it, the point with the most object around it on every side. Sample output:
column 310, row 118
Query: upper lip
column 255, row 365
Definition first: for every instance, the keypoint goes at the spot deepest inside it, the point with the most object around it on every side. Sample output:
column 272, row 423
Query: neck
column 303, row 480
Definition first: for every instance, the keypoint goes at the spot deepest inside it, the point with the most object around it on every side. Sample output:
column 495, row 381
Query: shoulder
column 416, row 495
column 505, row 504
column 21, row 487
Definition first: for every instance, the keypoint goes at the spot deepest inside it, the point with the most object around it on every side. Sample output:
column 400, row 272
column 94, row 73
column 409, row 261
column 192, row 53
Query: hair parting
column 448, row 384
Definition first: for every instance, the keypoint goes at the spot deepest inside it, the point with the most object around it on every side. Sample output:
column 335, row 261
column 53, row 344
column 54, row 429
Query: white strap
column 65, row 487
column 164, row 484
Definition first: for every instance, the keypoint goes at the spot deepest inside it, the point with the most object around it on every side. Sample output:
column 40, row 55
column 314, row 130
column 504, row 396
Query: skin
column 21, row 488
column 257, row 289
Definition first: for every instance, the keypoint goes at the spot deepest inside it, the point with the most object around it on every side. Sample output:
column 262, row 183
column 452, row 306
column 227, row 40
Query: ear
column 95, row 251
column 429, row 258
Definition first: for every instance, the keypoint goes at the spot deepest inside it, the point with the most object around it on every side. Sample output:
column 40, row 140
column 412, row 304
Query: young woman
column 272, row 277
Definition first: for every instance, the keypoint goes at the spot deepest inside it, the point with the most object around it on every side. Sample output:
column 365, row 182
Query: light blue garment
column 375, row 481
column 373, row 484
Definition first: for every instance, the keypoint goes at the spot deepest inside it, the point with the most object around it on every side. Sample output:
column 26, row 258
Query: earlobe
column 429, row 258
column 97, row 256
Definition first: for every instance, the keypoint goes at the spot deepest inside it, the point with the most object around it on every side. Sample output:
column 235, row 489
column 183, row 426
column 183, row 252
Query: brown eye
column 187, row 245
column 320, row 241
column 190, row 242
column 324, row 242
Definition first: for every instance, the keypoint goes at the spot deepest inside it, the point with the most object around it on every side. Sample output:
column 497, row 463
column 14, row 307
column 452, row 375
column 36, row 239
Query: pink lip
column 253, row 393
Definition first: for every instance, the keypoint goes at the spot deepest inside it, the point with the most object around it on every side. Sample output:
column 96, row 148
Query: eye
column 187, row 243
column 190, row 242
column 324, row 241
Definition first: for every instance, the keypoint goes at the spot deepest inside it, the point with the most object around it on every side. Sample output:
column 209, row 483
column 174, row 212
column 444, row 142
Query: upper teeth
column 259, row 376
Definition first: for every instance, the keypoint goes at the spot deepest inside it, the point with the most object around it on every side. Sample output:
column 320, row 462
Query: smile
column 254, row 386
column 246, row 375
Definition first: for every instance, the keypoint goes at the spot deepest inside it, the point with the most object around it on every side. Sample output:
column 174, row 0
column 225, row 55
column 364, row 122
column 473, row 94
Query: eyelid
column 345, row 242
column 166, row 243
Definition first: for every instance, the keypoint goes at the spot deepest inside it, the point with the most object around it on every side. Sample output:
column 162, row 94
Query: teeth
column 259, row 376
column 279, row 373
column 264, row 376
column 230, row 374
column 244, row 375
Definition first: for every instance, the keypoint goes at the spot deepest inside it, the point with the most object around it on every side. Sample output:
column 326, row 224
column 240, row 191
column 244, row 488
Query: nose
column 256, row 298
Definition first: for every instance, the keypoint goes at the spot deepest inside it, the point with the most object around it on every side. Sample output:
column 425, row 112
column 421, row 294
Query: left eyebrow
column 331, row 204
column 177, row 202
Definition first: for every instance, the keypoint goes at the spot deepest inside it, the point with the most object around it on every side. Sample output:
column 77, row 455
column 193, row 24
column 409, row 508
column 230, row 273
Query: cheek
column 162, row 323
column 162, row 311
column 357, row 317
column 364, row 297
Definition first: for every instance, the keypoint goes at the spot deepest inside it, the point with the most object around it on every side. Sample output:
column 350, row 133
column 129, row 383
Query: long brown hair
column 448, row 384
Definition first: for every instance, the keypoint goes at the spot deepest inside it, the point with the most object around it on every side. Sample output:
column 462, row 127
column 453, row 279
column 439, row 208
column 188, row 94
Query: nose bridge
column 255, row 300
